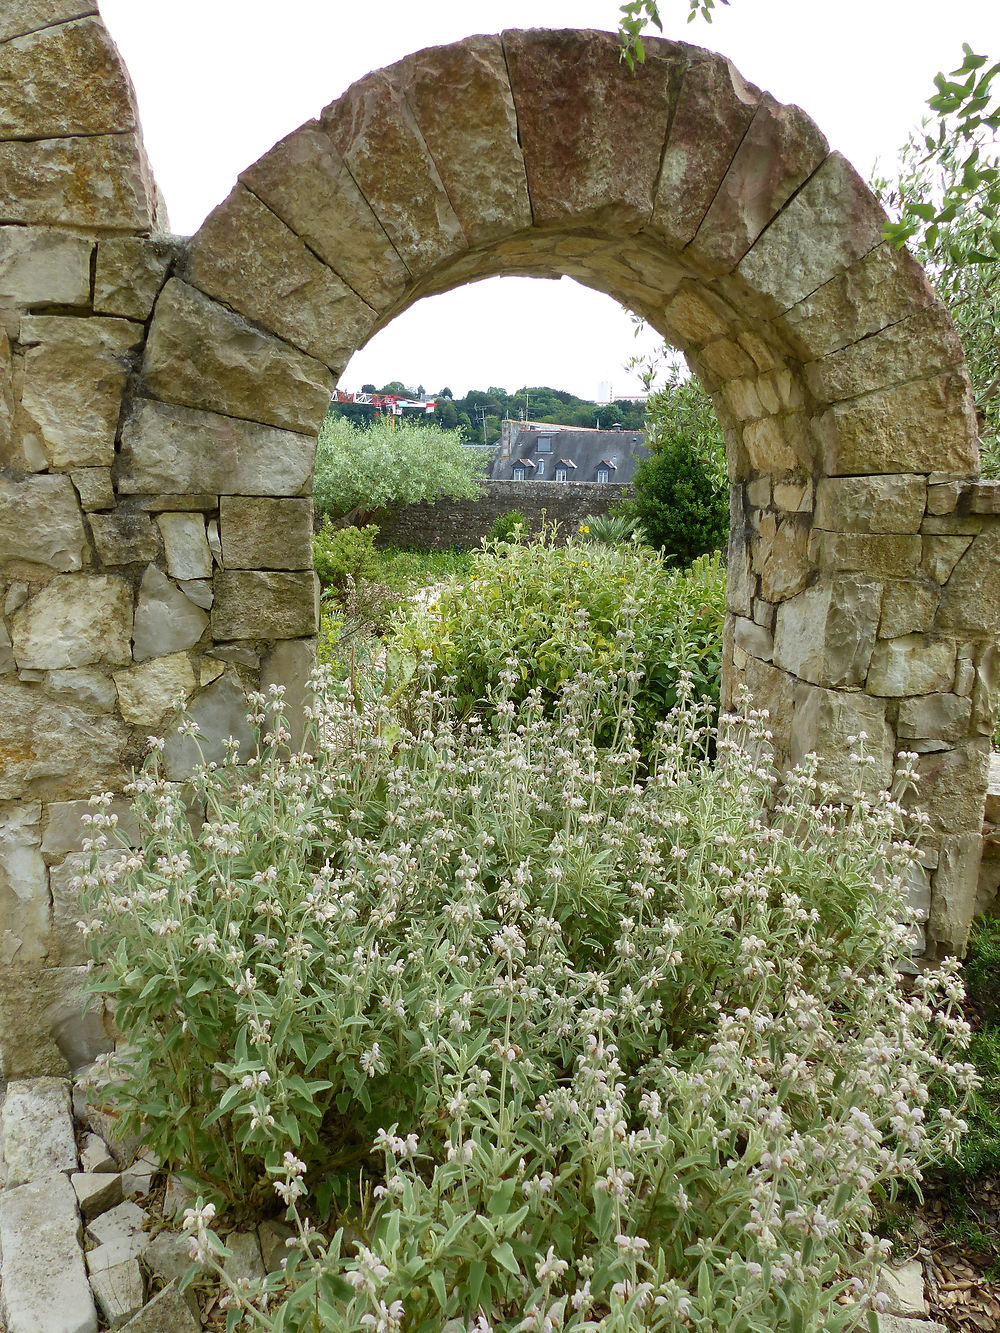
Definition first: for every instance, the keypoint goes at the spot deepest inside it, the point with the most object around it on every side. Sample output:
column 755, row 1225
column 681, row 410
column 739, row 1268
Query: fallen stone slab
column 137, row 1179
column 114, row 1252
column 166, row 1313
column 120, row 1222
column 120, row 1292
column 893, row 1323
column 37, row 1130
column 245, row 1265
column 96, row 1192
column 45, row 1287
column 95, row 1156
column 904, row 1286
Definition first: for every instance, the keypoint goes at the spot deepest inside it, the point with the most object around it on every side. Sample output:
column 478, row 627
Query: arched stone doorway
column 170, row 553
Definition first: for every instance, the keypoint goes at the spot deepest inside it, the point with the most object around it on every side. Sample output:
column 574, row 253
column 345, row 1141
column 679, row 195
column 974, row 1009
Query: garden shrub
column 679, row 500
column 507, row 527
column 561, row 610
column 340, row 554
column 612, row 528
column 539, row 1035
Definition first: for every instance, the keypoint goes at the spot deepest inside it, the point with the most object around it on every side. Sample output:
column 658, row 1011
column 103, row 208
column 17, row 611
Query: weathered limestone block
column 84, row 687
column 954, row 896
column 44, row 1280
column 833, row 220
column 714, row 109
column 794, row 497
column 7, row 663
column 740, row 581
column 871, row 504
column 826, row 634
column 97, row 1191
column 925, row 344
column 37, row 1130
column 908, row 607
column 93, row 486
column 755, row 640
column 50, row 748
column 260, row 533
column 779, row 444
column 880, row 289
column 290, row 664
column 165, row 620
column 39, row 266
column 120, row 1292
column 25, row 917
column 220, row 712
column 783, row 561
column 824, row 724
column 913, row 664
column 304, row 180
column 276, row 280
column 942, row 554
column 179, row 449
column 130, row 272
column 373, row 130
column 781, row 149
column 41, row 523
column 188, row 554
column 245, row 1264
column 943, row 717
column 147, row 693
column 971, row 597
column 924, row 426
column 878, row 555
column 73, row 383
column 592, row 144
column 272, row 1236
column 965, row 525
column 693, row 317
column 65, row 829
column 984, row 690
column 199, row 590
column 943, row 496
column 43, row 1027
column 984, row 497
column 167, row 1312
column 952, row 786
column 94, row 1156
column 780, row 390
column 74, row 621
column 201, row 355
column 21, row 16
column 261, row 604
column 85, row 181
column 124, row 538
column 477, row 155
column 64, row 80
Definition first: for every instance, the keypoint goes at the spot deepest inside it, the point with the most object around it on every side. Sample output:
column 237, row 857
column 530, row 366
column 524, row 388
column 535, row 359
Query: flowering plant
column 527, row 1032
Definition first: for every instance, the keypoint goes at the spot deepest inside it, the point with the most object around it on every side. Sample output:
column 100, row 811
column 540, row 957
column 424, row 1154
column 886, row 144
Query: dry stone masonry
column 160, row 398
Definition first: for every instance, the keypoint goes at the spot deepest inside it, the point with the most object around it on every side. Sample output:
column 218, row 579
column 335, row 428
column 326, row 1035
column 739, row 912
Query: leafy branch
column 634, row 16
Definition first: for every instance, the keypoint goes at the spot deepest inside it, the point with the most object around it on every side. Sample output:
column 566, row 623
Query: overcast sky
column 220, row 81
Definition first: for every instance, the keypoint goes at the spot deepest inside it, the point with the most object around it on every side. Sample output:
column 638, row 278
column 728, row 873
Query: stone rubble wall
column 464, row 523
column 160, row 399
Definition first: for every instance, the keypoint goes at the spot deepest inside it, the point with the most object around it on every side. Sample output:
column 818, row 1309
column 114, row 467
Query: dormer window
column 603, row 474
column 545, row 444
column 560, row 474
column 519, row 472
column 541, row 468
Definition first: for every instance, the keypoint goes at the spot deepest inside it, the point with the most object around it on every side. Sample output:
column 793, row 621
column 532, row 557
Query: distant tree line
column 489, row 407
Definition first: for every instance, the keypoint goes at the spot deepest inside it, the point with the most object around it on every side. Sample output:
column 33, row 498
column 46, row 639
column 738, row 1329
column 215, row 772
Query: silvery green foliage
column 391, row 463
column 556, row 1036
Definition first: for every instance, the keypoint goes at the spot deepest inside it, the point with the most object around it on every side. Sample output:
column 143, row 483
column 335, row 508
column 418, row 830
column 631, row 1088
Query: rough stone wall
column 159, row 401
column 465, row 523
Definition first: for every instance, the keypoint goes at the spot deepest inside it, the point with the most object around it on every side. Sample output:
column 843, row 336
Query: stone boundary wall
column 160, row 399
column 465, row 523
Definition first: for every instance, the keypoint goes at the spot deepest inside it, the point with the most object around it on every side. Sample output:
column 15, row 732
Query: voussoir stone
column 826, row 633
column 64, row 80
column 74, row 621
column 261, row 533
column 21, row 16
column 45, row 1283
column 477, row 154
column 165, row 620
column 83, row 181
column 73, row 383
column 186, row 544
column 41, row 522
column 201, row 355
column 149, row 691
column 37, row 1130
column 264, row 604
column 304, row 180
column 925, row 344
column 182, row 449
column 40, row 266
column 247, row 257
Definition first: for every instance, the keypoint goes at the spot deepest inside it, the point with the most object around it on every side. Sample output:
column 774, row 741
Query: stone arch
column 863, row 572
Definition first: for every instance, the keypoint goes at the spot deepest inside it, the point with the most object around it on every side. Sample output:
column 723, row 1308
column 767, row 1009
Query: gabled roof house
column 538, row 451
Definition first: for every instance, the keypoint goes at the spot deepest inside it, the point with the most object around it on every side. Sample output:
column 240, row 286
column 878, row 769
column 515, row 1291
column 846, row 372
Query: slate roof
column 581, row 452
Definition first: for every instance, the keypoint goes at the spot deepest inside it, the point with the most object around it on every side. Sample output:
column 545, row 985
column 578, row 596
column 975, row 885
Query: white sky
column 220, row 81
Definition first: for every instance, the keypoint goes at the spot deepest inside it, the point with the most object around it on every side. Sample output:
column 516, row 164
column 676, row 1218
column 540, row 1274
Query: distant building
column 536, row 451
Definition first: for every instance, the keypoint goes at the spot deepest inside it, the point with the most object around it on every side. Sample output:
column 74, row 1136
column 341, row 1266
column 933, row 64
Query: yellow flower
column 584, row 527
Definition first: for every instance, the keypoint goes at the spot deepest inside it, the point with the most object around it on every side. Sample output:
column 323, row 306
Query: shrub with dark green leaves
column 340, row 554
column 505, row 526
column 679, row 501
